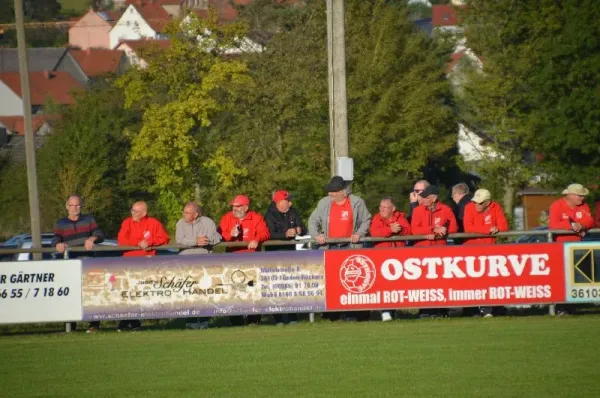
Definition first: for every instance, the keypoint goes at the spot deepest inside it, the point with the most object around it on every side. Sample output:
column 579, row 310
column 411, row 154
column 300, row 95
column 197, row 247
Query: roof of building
column 155, row 15
column 40, row 59
column 97, row 61
column 16, row 124
column 56, row 85
column 443, row 15
column 145, row 43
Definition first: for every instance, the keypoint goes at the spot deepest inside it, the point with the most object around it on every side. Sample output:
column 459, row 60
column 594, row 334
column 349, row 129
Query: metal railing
column 549, row 234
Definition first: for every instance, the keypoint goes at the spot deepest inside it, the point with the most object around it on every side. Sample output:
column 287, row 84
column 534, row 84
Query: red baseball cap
column 240, row 200
column 282, row 195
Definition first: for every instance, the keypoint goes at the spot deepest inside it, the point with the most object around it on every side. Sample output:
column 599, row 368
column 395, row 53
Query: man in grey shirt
column 196, row 230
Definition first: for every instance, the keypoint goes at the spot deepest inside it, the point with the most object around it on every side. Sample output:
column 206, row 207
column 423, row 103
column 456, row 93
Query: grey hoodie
column 185, row 233
column 318, row 223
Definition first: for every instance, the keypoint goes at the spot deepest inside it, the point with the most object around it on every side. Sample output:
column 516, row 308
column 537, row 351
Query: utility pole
column 338, row 105
column 34, row 207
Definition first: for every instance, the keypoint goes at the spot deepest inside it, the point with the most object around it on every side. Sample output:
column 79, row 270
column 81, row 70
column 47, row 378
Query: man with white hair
column 572, row 213
column 195, row 230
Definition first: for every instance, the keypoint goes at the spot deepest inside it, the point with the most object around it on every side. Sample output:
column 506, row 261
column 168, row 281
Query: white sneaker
column 386, row 316
column 488, row 316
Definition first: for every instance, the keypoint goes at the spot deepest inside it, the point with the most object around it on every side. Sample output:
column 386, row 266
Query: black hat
column 337, row 183
column 430, row 190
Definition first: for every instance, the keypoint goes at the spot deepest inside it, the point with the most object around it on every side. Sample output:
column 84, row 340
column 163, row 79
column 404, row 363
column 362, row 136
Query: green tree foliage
column 86, row 155
column 538, row 90
column 178, row 107
column 398, row 105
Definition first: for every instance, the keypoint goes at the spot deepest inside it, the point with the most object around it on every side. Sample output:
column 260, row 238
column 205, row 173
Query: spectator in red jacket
column 484, row 216
column 597, row 211
column 572, row 213
column 244, row 225
column 432, row 218
column 389, row 222
column 142, row 231
column 241, row 224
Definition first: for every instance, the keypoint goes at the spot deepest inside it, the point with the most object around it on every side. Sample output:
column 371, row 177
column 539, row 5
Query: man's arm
column 160, row 236
column 379, row 229
column 213, row 236
column 416, row 224
column 314, row 223
column 180, row 236
column 363, row 220
column 123, row 237
column 272, row 225
column 586, row 221
column 95, row 231
column 556, row 220
column 58, row 234
column 262, row 231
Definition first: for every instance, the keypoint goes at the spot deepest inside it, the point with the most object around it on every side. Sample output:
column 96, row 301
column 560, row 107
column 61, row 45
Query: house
column 56, row 86
column 15, row 126
column 99, row 61
column 133, row 48
column 92, row 30
column 144, row 19
column 43, row 59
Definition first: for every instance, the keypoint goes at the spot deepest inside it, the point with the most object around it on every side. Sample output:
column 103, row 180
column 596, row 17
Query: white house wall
column 470, row 147
column 10, row 103
column 131, row 26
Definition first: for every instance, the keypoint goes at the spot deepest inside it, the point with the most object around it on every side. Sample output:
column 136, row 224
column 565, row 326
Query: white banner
column 40, row 291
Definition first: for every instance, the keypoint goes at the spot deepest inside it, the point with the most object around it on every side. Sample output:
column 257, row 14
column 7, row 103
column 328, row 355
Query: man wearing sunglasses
column 414, row 197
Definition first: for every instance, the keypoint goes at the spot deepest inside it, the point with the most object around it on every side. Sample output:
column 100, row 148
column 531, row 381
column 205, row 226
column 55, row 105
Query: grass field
column 524, row 356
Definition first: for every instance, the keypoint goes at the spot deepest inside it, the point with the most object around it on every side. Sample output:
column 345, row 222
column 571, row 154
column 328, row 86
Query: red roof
column 443, row 15
column 97, row 61
column 156, row 16
column 145, row 43
column 16, row 124
column 56, row 85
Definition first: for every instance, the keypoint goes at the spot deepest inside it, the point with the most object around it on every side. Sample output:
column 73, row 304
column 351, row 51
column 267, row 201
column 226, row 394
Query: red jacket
column 253, row 225
column 380, row 227
column 597, row 211
column 149, row 228
column 561, row 216
column 481, row 223
column 424, row 220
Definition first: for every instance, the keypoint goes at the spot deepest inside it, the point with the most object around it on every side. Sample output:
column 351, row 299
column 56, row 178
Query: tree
column 535, row 97
column 178, row 106
column 398, row 101
column 86, row 155
column 494, row 100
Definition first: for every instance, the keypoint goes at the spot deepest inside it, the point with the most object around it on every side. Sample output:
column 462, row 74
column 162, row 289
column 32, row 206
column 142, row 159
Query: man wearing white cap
column 484, row 216
column 572, row 213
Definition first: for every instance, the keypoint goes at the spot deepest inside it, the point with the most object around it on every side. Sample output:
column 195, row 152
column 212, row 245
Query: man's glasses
column 136, row 211
column 74, row 205
column 418, row 190
column 237, row 206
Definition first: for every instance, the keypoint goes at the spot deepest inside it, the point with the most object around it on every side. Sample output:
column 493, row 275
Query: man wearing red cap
column 243, row 225
column 283, row 220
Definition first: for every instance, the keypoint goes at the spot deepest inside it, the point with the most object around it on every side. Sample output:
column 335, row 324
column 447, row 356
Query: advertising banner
column 40, row 291
column 203, row 285
column 582, row 272
column 445, row 276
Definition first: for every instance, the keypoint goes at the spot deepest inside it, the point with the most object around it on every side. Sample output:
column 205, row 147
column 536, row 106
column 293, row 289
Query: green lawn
column 524, row 356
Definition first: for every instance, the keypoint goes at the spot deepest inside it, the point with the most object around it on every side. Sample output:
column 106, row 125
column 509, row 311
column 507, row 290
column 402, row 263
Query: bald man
column 142, row 231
